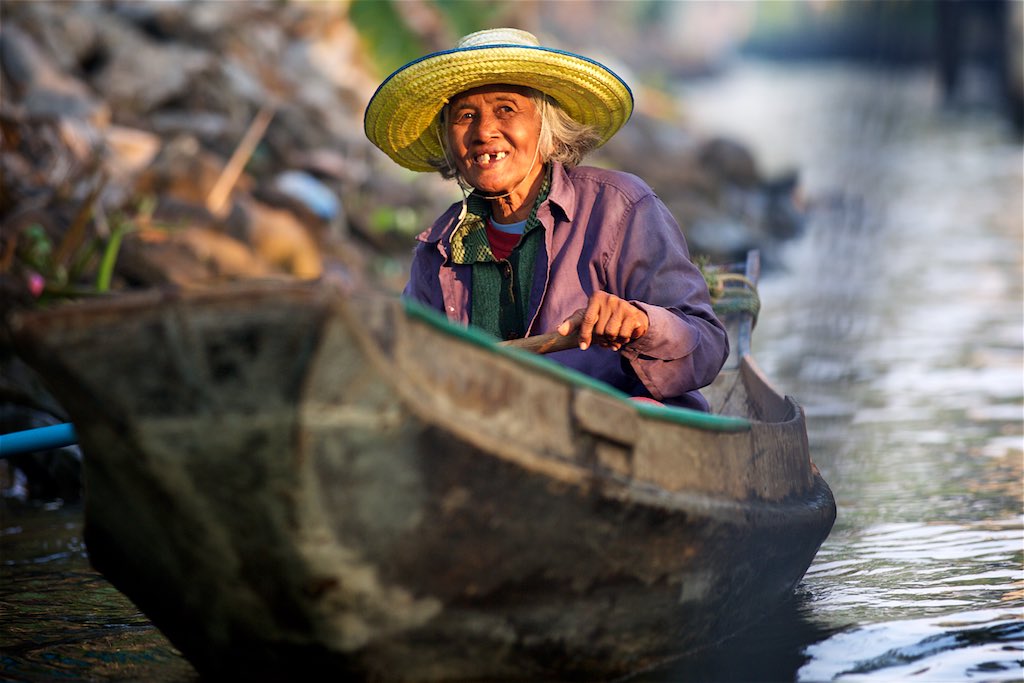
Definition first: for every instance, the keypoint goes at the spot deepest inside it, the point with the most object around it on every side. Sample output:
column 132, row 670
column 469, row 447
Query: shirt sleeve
column 423, row 285
column 685, row 345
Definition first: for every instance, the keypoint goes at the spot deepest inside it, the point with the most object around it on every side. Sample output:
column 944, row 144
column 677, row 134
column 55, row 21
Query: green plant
column 82, row 262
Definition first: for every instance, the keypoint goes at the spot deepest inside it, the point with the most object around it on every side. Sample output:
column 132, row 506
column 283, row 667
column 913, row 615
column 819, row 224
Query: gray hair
column 562, row 138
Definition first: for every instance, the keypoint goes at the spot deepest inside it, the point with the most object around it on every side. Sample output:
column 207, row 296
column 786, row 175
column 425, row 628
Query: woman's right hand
column 608, row 320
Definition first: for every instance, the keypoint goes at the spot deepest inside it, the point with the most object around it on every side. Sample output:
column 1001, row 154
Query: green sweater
column 500, row 294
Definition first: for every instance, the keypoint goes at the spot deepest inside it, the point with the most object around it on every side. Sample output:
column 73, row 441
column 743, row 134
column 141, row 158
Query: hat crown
column 498, row 36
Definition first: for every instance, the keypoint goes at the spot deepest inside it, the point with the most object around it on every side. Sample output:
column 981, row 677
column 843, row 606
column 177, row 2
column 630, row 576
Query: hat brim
column 400, row 116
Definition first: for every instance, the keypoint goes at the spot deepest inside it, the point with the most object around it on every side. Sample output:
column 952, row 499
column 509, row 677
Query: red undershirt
column 502, row 243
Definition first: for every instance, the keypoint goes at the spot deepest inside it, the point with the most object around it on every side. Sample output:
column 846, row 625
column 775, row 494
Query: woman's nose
column 487, row 126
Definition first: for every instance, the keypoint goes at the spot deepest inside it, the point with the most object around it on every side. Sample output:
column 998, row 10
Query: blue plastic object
column 39, row 439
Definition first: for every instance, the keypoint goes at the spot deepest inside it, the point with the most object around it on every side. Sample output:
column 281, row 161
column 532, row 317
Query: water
column 59, row 619
column 897, row 322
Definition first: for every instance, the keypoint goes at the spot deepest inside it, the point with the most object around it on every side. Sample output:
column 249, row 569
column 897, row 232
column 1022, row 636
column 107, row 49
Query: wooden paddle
column 544, row 343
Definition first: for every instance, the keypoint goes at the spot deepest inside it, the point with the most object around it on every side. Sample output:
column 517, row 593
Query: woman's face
column 493, row 132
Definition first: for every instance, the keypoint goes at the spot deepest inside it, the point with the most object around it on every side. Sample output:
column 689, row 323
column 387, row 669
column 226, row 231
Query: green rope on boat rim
column 730, row 292
column 737, row 299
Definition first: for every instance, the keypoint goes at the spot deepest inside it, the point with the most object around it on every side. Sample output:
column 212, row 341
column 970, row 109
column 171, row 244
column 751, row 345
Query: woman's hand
column 607, row 320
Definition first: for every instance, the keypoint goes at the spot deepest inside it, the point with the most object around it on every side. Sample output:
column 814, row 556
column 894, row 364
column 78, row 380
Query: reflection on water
column 897, row 322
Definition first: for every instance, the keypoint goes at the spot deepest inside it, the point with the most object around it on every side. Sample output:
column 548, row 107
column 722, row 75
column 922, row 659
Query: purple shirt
column 603, row 230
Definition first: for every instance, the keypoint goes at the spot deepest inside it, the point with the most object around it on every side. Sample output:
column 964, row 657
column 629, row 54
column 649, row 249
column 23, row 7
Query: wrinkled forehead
column 494, row 91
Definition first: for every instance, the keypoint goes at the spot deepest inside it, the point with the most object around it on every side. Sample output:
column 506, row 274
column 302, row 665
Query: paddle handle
column 545, row 343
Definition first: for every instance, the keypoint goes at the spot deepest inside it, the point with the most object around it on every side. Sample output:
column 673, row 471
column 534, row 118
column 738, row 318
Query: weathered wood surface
column 285, row 478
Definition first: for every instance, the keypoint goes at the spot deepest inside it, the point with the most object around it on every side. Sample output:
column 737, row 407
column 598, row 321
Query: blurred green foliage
column 50, row 276
column 76, row 268
column 466, row 16
column 392, row 43
column 402, row 219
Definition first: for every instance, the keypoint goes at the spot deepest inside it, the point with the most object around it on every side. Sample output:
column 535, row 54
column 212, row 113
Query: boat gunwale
column 672, row 414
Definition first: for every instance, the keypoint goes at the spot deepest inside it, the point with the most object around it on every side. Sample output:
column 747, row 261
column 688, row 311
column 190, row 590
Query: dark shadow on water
column 769, row 651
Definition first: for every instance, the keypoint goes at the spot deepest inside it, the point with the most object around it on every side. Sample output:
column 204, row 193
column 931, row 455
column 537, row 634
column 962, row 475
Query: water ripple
column 986, row 645
column 896, row 569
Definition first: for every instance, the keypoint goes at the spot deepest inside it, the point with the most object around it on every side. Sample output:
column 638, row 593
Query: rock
column 68, row 37
column 730, row 162
column 43, row 90
column 140, row 74
column 128, row 152
column 328, row 163
column 204, row 126
column 280, row 240
column 183, row 170
column 187, row 257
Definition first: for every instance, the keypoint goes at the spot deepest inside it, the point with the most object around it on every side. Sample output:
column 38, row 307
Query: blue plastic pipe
column 39, row 439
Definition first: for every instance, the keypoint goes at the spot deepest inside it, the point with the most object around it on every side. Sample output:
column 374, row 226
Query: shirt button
column 451, row 309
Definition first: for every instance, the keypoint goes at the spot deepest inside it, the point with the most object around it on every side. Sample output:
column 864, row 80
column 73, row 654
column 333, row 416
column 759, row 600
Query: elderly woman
column 540, row 243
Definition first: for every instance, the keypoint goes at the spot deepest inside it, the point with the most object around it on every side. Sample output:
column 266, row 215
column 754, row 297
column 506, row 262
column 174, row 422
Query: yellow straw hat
column 401, row 116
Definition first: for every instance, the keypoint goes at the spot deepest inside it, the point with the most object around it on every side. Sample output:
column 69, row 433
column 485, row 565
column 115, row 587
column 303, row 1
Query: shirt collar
column 468, row 241
column 562, row 194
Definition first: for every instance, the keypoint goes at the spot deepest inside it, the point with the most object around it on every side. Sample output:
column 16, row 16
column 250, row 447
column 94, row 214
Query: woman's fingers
column 608, row 320
column 591, row 318
column 612, row 324
column 571, row 323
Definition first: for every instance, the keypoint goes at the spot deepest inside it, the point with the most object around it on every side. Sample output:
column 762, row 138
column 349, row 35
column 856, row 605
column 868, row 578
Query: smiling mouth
column 487, row 159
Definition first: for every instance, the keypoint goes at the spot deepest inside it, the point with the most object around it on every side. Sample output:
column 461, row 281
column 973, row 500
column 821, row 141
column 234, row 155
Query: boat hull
column 291, row 480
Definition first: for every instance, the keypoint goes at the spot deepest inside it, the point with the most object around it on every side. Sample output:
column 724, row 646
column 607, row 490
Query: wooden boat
column 292, row 480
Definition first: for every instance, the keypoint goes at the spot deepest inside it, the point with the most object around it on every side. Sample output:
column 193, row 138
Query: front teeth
column 485, row 159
